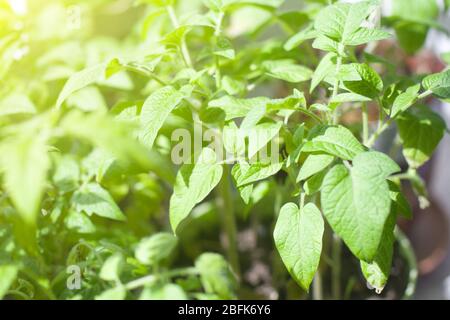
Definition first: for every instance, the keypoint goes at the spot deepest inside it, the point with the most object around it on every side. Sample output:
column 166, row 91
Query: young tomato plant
column 127, row 165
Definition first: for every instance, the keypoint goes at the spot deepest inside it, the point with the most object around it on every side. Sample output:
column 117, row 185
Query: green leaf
column 269, row 4
column 293, row 102
column 234, row 139
column 215, row 5
column 115, row 136
column 370, row 84
column 415, row 11
column 87, row 99
column 80, row 80
column 357, row 202
column 168, row 291
column 154, row 249
column 232, row 107
column 158, row 3
column 335, row 140
column 315, row 183
column 439, row 84
column 400, row 204
column 79, row 222
column 446, row 56
column 116, row 293
column 112, row 268
column 8, row 274
column 16, row 103
column 298, row 238
column 405, row 100
column 254, row 116
column 325, row 67
column 411, row 36
column 300, row 37
column 287, row 70
column 67, row 174
column 412, row 20
column 390, row 94
column 314, row 164
column 233, row 86
column 216, row 275
column 193, row 183
column 93, row 199
column 349, row 97
column 294, row 19
column 238, row 171
column 377, row 272
column 155, row 111
column 365, row 35
column 341, row 20
column 175, row 38
column 224, row 48
column 24, row 161
column 420, row 130
column 255, row 172
column 325, row 43
column 260, row 136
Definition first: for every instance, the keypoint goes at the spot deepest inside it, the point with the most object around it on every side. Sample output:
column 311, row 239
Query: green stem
column 336, row 88
column 408, row 253
column 145, row 73
column 229, row 219
column 380, row 113
column 425, row 94
column 336, row 271
column 386, row 125
column 217, row 32
column 176, row 25
column 317, row 286
column 218, row 74
column 365, row 121
column 377, row 134
column 311, row 114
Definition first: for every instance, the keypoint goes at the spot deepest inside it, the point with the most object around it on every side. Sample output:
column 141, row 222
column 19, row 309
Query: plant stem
column 380, row 113
column 377, row 134
column 336, row 268
column 176, row 25
column 217, row 32
column 229, row 220
column 317, row 286
column 408, row 253
column 425, row 94
column 145, row 73
column 386, row 125
column 311, row 114
column 336, row 88
column 218, row 74
column 365, row 121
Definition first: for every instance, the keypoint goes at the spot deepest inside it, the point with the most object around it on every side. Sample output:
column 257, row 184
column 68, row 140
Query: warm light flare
column 19, row 6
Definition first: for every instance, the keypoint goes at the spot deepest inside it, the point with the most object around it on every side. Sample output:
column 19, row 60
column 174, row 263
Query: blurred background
column 42, row 42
